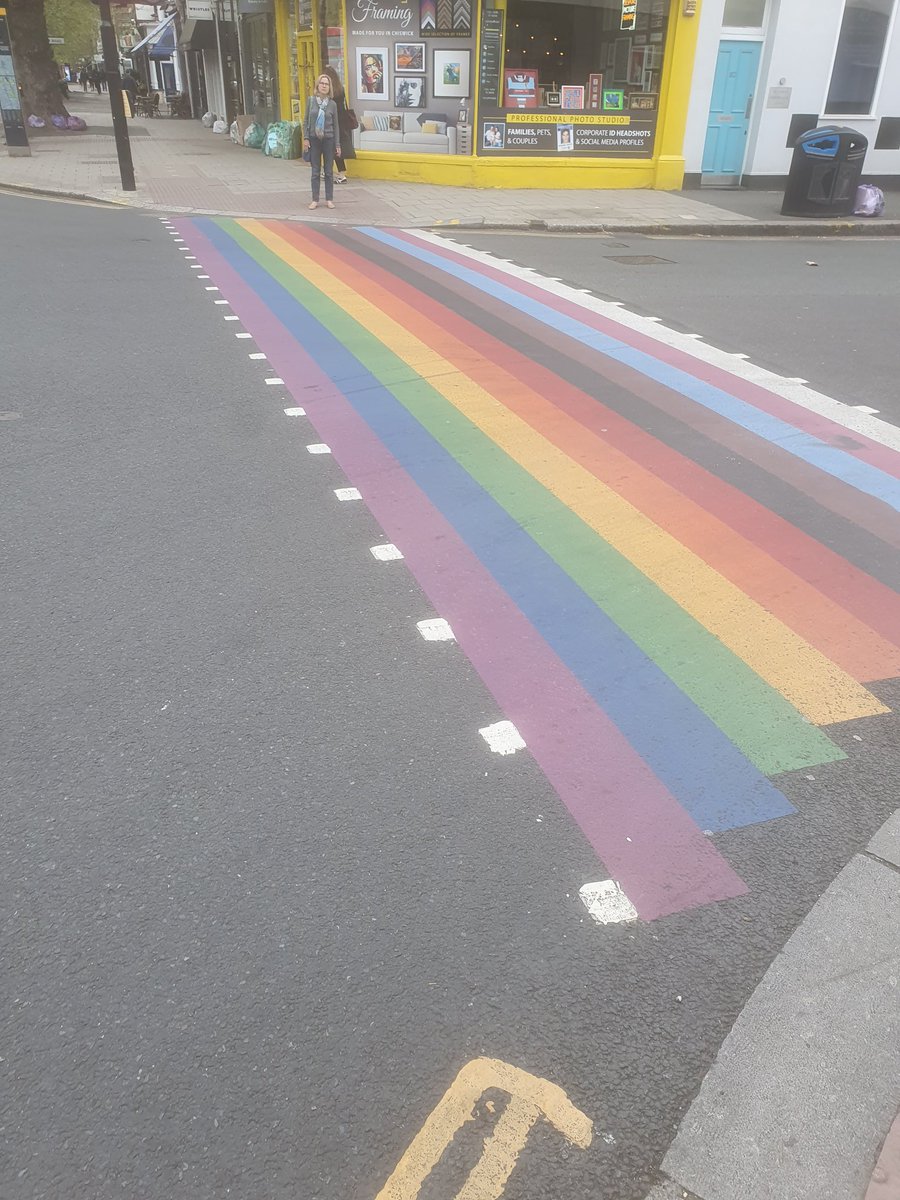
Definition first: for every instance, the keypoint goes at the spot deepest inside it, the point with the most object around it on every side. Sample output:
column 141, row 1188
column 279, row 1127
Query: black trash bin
column 825, row 172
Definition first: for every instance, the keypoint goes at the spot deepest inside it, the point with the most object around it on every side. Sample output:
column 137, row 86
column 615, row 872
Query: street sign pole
column 10, row 104
column 114, row 86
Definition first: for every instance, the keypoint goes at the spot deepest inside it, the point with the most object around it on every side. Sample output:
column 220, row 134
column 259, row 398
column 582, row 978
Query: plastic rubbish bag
column 283, row 140
column 254, row 136
column 869, row 201
column 75, row 123
column 36, row 122
column 57, row 121
column 235, row 134
column 219, row 127
column 208, row 120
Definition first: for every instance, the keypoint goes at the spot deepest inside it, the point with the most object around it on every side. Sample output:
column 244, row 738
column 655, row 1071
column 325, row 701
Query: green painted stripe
column 756, row 717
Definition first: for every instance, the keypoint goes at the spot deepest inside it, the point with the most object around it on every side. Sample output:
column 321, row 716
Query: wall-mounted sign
column 372, row 19
column 575, row 134
column 629, row 13
column 446, row 18
column 491, row 43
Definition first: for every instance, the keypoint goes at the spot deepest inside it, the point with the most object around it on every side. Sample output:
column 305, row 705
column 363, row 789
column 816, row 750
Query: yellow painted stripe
column 813, row 684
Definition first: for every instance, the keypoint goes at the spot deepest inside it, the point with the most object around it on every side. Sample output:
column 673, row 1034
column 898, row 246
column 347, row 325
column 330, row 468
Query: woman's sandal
column 314, row 204
column 329, row 204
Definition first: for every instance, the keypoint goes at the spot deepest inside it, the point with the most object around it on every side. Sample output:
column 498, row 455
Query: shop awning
column 160, row 42
column 198, row 35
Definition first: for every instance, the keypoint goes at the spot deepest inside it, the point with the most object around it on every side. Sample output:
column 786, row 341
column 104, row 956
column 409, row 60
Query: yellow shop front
column 502, row 93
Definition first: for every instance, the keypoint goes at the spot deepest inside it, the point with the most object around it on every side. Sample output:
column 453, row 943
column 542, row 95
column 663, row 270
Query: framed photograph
column 643, row 100
column 409, row 58
column 622, row 50
column 636, row 64
column 520, row 88
column 409, row 92
column 371, row 73
column 565, row 138
column 610, row 56
column 594, row 88
column 553, row 99
column 613, row 100
column 451, row 73
column 494, row 136
column 572, row 96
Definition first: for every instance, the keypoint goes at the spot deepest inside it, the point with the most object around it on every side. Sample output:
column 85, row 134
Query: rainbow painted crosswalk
column 672, row 571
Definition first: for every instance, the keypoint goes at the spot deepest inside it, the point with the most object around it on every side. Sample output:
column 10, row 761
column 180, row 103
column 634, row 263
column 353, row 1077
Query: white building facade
column 768, row 70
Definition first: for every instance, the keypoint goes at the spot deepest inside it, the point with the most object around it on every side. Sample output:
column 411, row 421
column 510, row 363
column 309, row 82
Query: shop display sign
column 383, row 18
column 10, row 104
column 445, row 18
column 520, row 88
column 491, row 43
column 629, row 13
column 593, row 135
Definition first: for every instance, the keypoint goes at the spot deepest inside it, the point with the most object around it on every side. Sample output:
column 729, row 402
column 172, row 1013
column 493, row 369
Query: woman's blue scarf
column 320, row 117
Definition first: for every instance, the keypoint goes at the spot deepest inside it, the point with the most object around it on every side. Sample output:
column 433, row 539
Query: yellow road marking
column 530, row 1099
column 810, row 681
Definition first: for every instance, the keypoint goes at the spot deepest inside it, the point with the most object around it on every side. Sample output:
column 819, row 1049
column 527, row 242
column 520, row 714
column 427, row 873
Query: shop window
column 579, row 78
column 888, row 134
column 744, row 14
column 860, row 51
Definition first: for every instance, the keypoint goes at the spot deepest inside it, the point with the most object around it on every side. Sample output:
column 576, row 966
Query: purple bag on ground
column 36, row 122
column 869, row 201
column 76, row 123
column 57, row 121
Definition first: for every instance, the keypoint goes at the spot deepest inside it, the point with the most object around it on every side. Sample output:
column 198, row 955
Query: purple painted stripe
column 831, row 432
column 645, row 839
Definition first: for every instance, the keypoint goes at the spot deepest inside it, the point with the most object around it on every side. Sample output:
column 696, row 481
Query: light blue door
column 729, row 113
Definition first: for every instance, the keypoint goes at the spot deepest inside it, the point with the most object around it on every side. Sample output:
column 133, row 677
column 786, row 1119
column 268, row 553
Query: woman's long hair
column 337, row 88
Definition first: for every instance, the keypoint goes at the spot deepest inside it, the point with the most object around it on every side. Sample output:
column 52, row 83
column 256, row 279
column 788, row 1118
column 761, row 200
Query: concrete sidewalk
column 801, row 1102
column 183, row 168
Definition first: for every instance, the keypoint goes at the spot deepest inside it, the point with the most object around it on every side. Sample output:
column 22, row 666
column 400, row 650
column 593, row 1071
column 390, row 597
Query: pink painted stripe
column 646, row 840
column 863, row 448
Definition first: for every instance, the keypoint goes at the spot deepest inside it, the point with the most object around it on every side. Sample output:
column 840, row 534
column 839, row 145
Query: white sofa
column 409, row 138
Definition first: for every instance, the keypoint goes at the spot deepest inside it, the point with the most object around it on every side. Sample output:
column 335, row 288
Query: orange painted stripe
column 834, row 632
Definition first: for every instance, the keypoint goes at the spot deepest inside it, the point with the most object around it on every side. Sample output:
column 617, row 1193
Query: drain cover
column 639, row 260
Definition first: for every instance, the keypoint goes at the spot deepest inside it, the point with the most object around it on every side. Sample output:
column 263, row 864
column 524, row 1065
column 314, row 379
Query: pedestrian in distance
column 84, row 79
column 130, row 87
column 321, row 139
column 345, row 125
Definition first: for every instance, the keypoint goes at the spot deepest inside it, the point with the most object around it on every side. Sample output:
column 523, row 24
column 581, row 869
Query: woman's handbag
column 352, row 122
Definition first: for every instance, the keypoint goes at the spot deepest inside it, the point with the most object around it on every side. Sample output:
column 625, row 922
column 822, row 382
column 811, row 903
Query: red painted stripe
column 643, row 836
column 831, row 432
column 572, row 421
column 831, row 494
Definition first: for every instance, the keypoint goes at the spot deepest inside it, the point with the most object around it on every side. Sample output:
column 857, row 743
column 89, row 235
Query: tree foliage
column 78, row 22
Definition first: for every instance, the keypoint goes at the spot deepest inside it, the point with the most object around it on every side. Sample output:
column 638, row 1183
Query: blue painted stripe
column 708, row 775
column 802, row 445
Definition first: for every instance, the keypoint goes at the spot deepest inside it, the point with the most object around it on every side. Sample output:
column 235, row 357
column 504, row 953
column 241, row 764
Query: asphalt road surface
column 266, row 888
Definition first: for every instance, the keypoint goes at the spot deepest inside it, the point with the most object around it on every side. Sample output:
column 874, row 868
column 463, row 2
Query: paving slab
column 182, row 167
column 807, row 1082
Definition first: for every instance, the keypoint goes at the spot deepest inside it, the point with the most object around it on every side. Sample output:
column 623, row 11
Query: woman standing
column 321, row 137
column 344, row 127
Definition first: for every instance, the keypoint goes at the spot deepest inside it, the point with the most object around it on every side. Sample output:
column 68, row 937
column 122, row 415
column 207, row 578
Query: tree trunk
column 37, row 73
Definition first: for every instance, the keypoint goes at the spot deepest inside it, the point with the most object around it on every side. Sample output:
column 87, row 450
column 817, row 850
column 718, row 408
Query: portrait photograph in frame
column 371, row 73
column 552, row 99
column 613, row 100
column 409, row 58
column 451, row 73
column 409, row 91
